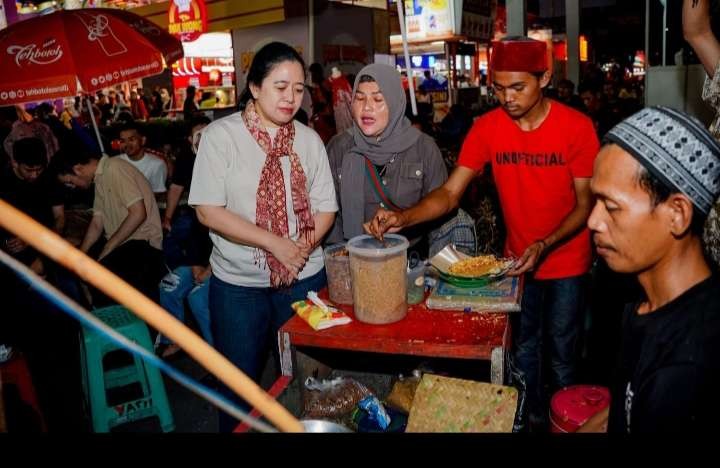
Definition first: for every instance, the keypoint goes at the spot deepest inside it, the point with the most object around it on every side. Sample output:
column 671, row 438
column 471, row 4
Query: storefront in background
column 434, row 62
column 208, row 65
column 445, row 38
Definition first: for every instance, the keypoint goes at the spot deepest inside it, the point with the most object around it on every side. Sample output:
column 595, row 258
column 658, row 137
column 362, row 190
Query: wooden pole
column 55, row 247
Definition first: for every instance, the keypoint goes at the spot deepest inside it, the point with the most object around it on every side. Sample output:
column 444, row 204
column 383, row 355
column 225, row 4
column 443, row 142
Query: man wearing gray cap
column 656, row 181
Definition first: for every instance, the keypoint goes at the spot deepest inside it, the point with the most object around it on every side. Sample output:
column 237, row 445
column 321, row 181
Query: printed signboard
column 187, row 19
column 426, row 19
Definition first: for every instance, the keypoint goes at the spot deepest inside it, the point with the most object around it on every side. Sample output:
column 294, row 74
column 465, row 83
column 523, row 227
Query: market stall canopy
column 69, row 51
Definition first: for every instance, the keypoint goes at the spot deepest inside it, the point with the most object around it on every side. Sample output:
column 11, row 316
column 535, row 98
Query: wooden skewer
column 58, row 249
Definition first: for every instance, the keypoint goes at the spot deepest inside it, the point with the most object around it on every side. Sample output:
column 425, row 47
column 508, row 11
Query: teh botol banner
column 187, row 19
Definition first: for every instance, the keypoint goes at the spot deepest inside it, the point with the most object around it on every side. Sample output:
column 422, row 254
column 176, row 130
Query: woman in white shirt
column 263, row 186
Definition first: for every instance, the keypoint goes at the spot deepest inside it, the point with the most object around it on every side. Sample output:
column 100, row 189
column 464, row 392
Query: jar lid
column 368, row 246
column 332, row 248
column 578, row 403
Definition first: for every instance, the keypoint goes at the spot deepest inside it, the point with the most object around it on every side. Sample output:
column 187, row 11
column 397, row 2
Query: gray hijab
column 398, row 136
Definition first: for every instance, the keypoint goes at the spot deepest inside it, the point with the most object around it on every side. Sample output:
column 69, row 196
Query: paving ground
column 191, row 412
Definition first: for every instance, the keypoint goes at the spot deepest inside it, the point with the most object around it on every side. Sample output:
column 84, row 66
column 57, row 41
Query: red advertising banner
column 344, row 53
column 187, row 19
column 331, row 53
column 352, row 53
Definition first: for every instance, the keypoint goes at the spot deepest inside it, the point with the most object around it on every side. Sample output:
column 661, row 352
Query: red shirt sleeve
column 474, row 153
column 583, row 149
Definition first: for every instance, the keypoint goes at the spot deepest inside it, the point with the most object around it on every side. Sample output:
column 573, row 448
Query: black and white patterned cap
column 676, row 148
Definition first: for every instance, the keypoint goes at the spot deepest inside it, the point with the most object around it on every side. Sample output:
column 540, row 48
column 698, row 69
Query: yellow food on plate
column 479, row 266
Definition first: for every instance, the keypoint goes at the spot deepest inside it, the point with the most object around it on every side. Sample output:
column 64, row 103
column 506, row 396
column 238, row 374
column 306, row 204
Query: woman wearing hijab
column 262, row 184
column 382, row 160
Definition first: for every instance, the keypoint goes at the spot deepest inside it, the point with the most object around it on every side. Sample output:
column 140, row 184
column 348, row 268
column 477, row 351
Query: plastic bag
column 377, row 414
column 403, row 391
column 320, row 318
column 319, row 315
column 516, row 378
column 332, row 398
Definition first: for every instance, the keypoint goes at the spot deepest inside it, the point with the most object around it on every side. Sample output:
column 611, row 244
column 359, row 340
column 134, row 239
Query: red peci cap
column 523, row 55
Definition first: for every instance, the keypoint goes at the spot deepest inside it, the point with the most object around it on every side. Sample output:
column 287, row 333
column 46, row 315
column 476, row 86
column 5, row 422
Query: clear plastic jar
column 337, row 268
column 379, row 278
column 416, row 284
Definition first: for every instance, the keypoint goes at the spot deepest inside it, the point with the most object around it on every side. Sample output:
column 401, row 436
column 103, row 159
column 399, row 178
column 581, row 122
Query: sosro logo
column 99, row 29
column 49, row 52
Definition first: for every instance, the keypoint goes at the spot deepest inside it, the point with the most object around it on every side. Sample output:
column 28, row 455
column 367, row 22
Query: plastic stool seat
column 98, row 379
column 116, row 316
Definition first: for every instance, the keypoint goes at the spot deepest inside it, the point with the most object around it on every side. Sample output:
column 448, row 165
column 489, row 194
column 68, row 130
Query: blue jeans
column 178, row 243
column 66, row 282
column 179, row 285
column 245, row 321
column 550, row 320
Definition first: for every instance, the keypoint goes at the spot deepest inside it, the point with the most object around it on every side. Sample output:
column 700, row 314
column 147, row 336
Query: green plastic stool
column 97, row 380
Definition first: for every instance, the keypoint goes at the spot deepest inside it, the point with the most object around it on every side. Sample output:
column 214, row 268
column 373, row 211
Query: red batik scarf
column 271, row 209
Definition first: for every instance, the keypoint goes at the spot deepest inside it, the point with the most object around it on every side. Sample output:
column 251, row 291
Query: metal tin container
column 318, row 425
column 572, row 406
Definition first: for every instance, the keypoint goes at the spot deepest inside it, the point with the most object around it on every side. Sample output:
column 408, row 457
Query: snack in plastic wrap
column 376, row 411
column 498, row 296
column 403, row 391
column 318, row 315
column 361, row 420
column 332, row 398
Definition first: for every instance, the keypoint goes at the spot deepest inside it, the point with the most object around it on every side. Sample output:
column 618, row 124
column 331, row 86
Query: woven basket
column 444, row 404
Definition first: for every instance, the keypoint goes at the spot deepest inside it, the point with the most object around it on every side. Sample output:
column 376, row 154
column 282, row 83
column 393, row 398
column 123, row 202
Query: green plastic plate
column 462, row 282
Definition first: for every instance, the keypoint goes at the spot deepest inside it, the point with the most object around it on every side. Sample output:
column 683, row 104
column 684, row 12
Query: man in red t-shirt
column 541, row 153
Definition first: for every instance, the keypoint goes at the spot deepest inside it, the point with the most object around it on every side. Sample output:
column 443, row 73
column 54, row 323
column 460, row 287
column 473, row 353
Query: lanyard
column 378, row 187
